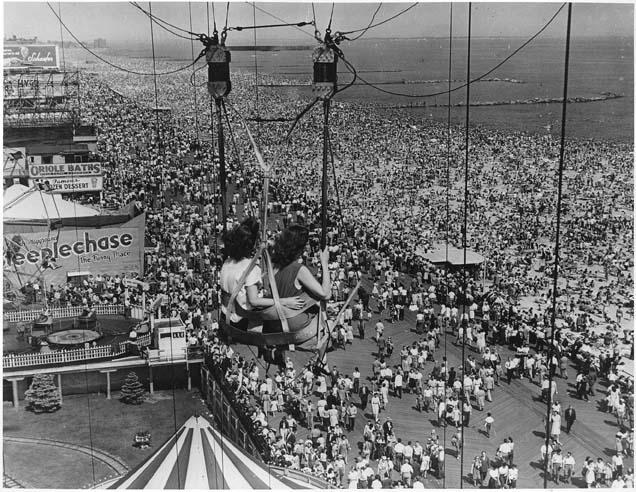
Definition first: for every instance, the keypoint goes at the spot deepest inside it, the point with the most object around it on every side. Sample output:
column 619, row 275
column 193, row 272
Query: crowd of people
column 389, row 205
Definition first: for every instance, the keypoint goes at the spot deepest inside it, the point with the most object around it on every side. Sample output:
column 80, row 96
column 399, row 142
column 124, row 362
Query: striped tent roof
column 199, row 457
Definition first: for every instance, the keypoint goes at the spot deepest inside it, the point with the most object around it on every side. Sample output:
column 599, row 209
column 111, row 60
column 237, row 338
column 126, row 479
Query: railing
column 66, row 312
column 68, row 356
column 225, row 414
column 230, row 425
column 317, row 482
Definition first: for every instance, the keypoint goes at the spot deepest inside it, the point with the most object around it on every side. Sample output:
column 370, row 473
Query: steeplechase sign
column 51, row 255
column 31, row 56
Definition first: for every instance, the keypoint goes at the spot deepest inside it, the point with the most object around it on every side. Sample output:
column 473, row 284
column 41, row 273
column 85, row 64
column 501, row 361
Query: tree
column 43, row 396
column 132, row 391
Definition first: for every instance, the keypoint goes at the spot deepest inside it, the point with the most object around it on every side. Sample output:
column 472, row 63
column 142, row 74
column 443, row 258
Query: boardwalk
column 516, row 408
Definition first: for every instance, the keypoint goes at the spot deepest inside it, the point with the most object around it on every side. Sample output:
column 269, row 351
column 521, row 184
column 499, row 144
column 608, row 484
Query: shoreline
column 243, row 83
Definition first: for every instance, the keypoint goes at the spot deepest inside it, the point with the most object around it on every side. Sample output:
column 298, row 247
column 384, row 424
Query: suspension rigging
column 557, row 244
column 218, row 58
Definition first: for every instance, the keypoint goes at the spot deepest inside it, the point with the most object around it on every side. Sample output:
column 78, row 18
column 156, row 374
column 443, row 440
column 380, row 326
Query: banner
column 50, row 255
column 78, row 184
column 30, row 55
column 34, row 86
column 69, row 169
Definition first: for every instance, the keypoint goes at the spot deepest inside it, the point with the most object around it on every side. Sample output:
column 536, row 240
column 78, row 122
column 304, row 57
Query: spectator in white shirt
column 406, row 471
column 377, row 483
column 513, row 476
column 568, row 467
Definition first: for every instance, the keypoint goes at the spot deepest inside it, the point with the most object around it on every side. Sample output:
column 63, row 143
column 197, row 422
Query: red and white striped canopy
column 199, row 457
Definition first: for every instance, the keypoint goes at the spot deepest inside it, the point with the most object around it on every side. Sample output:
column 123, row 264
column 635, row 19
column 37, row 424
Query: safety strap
column 266, row 168
column 241, row 282
column 274, row 289
column 259, row 157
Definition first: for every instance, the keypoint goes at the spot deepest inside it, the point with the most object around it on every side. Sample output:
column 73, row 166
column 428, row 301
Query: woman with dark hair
column 239, row 244
column 293, row 278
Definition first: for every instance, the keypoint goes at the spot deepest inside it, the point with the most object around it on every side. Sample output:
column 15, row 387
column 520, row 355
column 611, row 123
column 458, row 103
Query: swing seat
column 254, row 334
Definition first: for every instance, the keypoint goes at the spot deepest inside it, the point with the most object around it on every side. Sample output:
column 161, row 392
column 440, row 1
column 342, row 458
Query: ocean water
column 597, row 65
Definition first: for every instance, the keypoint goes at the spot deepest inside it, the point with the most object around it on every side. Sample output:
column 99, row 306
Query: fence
column 231, row 426
column 66, row 312
column 225, row 414
column 69, row 356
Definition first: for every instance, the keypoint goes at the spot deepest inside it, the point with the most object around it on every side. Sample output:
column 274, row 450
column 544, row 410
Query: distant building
column 67, row 43
column 27, row 150
column 17, row 40
column 100, row 43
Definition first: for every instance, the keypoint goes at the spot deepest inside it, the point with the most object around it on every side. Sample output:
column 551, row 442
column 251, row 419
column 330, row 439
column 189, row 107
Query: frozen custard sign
column 110, row 250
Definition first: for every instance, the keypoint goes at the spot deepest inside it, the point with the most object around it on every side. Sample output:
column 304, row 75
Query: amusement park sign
column 75, row 184
column 36, row 85
column 65, row 170
column 50, row 255
column 30, row 55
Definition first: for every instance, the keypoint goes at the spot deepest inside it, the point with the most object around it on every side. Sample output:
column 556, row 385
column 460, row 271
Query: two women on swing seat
column 292, row 277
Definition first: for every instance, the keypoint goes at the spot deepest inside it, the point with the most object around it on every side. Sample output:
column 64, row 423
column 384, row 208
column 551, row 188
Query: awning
column 199, row 457
column 22, row 203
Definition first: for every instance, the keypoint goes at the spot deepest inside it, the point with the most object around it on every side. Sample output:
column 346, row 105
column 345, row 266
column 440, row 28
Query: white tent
column 199, row 457
column 22, row 203
column 455, row 256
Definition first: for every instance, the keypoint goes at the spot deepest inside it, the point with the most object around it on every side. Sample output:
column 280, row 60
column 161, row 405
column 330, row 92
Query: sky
column 120, row 22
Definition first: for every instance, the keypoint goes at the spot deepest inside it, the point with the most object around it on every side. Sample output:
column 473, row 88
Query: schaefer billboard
column 50, row 255
column 76, row 184
column 30, row 55
column 42, row 171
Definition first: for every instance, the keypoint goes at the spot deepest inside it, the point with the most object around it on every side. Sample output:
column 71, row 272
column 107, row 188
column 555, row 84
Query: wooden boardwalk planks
column 517, row 411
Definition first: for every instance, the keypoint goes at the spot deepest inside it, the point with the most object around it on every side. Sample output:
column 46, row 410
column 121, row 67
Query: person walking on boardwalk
column 489, row 385
column 352, row 411
column 488, row 425
column 568, row 467
column 570, row 418
column 475, row 471
column 467, row 410
column 485, row 466
column 555, row 427
column 364, row 397
column 375, row 406
column 513, row 476
column 441, row 414
column 557, row 464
